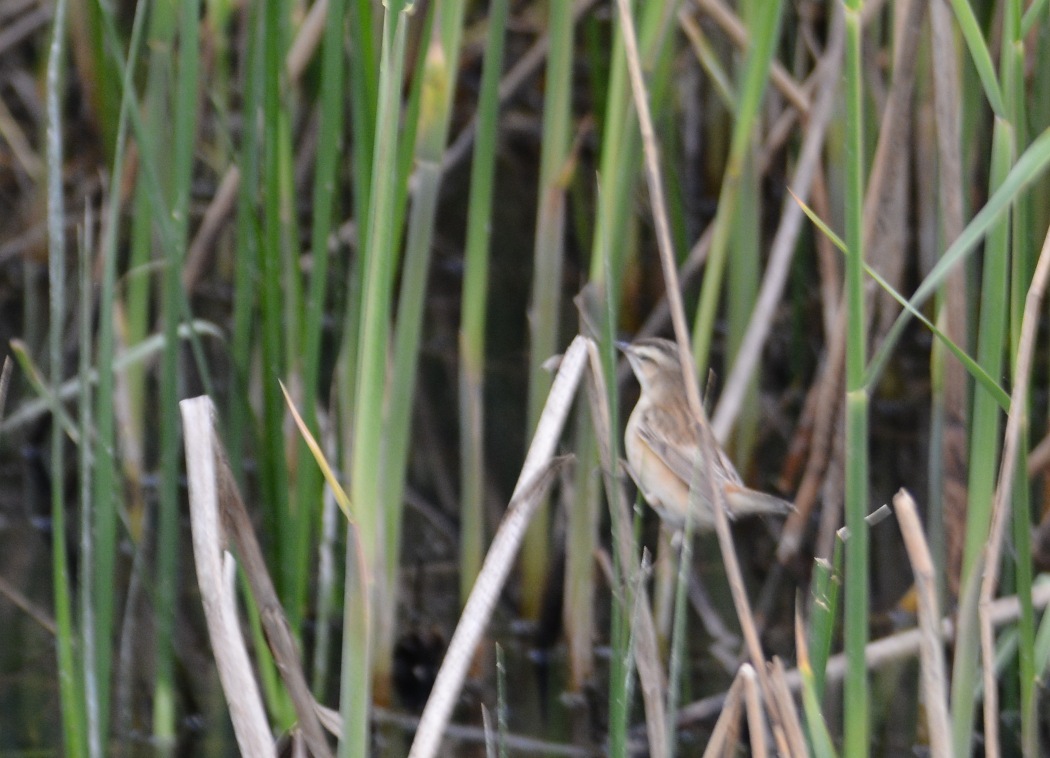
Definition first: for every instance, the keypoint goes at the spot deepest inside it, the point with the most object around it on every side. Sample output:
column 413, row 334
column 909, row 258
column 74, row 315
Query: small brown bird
column 663, row 444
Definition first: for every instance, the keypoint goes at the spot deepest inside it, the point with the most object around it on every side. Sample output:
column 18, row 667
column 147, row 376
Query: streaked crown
column 655, row 363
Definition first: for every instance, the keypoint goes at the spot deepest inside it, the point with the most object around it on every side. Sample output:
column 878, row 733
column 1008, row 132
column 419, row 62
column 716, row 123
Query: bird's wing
column 675, row 441
column 672, row 443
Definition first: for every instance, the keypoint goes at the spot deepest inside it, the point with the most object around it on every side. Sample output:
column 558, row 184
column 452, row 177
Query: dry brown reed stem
column 215, row 572
column 828, row 258
column 536, row 475
column 697, row 256
column 796, row 740
column 886, row 192
column 828, row 407
column 667, row 258
column 955, row 315
column 647, row 654
column 878, row 653
column 782, row 250
column 756, row 721
column 878, row 204
column 19, row 144
column 931, row 648
column 723, row 736
column 1017, row 421
column 238, row 525
column 708, row 445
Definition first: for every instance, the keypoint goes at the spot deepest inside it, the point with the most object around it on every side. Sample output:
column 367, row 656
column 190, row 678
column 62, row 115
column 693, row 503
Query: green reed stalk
column 98, row 476
column 620, row 160
column 246, row 264
column 764, row 34
column 184, row 114
column 273, row 470
column 1012, row 67
column 436, row 87
column 985, row 429
column 475, row 302
column 363, row 81
column 139, row 288
column 89, row 24
column 329, row 145
column 373, row 342
column 247, row 327
column 612, row 243
column 364, row 103
column 856, row 719
column 85, row 453
column 545, row 308
column 74, row 716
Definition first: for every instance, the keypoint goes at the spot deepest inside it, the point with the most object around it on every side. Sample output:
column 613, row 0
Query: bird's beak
column 624, row 347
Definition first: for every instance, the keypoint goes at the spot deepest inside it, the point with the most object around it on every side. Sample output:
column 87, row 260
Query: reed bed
column 316, row 402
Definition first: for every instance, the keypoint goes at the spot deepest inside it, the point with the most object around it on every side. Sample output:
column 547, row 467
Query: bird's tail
column 743, row 501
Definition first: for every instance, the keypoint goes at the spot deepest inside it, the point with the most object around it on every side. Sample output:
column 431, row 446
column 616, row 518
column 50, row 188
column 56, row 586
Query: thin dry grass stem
column 656, row 196
column 536, row 475
column 931, row 647
column 879, row 653
column 737, row 33
column 647, row 654
column 724, row 734
column 1017, row 421
column 660, row 313
column 28, row 607
column 238, row 525
column 782, row 250
column 708, row 445
column 215, row 215
column 215, row 571
column 756, row 721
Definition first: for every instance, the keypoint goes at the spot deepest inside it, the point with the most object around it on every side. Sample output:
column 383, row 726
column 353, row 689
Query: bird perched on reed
column 663, row 447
